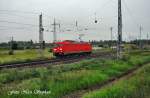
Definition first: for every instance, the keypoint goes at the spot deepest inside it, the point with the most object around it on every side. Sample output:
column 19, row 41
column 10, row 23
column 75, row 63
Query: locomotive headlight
column 55, row 49
column 60, row 49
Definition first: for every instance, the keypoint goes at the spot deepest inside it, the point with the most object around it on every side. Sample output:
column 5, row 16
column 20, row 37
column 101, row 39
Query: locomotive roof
column 68, row 42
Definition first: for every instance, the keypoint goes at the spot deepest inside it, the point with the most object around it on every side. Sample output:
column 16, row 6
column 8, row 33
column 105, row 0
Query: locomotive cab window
column 57, row 45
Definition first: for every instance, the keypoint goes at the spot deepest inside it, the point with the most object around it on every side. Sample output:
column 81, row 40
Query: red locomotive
column 71, row 47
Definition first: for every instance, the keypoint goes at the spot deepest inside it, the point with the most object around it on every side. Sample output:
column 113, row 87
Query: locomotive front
column 58, row 49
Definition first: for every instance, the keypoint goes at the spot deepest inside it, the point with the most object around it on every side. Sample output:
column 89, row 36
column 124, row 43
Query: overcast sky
column 19, row 18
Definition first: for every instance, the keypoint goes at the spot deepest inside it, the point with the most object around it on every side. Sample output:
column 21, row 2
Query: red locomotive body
column 71, row 47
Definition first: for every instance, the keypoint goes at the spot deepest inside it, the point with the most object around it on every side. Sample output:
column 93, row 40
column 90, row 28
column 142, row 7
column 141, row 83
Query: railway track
column 56, row 61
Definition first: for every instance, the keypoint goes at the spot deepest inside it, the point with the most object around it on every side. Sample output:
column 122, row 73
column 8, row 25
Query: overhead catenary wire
column 16, row 28
column 19, row 11
column 11, row 12
column 17, row 15
column 35, row 13
column 133, row 18
column 130, row 14
column 20, row 23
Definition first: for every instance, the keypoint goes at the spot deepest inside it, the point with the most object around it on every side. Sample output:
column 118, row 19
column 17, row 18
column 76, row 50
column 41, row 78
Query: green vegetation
column 135, row 87
column 28, row 55
column 64, row 79
column 21, row 55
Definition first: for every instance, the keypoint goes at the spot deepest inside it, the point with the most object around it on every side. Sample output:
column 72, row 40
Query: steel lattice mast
column 41, row 39
column 119, row 42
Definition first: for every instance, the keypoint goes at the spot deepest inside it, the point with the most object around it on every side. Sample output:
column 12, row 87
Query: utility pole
column 140, row 38
column 147, row 39
column 41, row 39
column 119, row 43
column 11, row 52
column 54, row 31
column 111, row 37
column 111, row 28
column 80, row 37
column 77, row 25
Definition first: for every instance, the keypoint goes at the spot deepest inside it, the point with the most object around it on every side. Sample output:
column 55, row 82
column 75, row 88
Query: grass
column 28, row 55
column 64, row 79
column 135, row 87
column 21, row 55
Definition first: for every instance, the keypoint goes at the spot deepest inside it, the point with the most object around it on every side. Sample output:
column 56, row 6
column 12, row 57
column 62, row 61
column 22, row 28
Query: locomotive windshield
column 57, row 45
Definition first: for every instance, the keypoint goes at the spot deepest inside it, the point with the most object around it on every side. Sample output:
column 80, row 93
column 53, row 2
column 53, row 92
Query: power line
column 18, row 11
column 5, row 29
column 17, row 23
column 130, row 13
column 20, row 23
column 21, row 16
column 104, row 4
column 15, row 27
column 8, row 28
